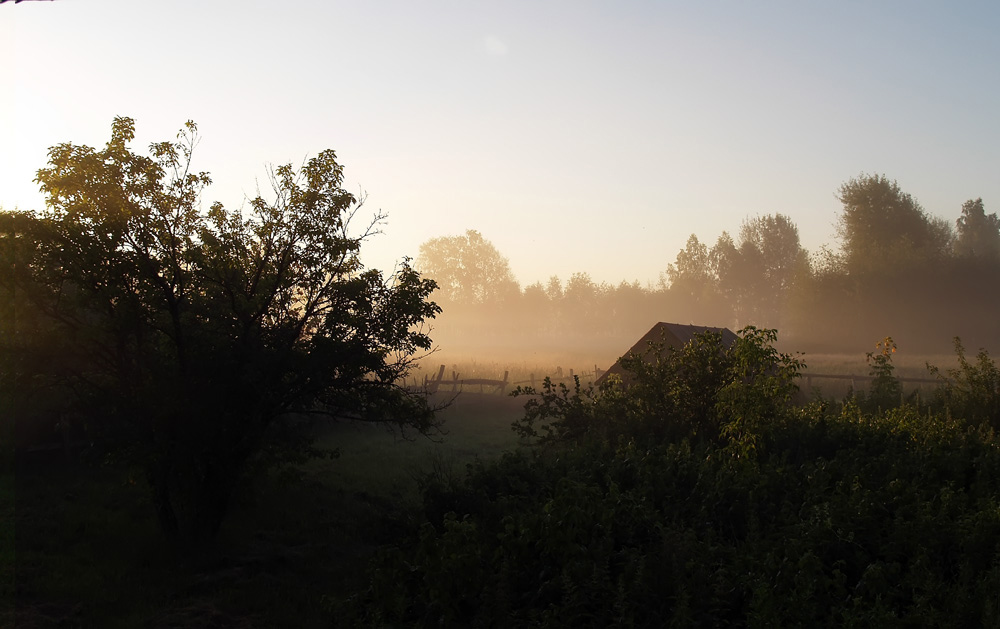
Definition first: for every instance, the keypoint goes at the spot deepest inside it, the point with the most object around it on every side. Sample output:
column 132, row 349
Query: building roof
column 666, row 335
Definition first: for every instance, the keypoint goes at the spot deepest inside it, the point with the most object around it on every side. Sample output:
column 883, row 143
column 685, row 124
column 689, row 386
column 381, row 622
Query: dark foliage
column 702, row 391
column 971, row 390
column 199, row 344
column 835, row 517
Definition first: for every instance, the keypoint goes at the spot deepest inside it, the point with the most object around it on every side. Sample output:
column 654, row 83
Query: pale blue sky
column 576, row 136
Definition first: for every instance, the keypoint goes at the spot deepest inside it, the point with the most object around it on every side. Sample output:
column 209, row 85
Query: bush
column 839, row 519
column 972, row 390
column 780, row 515
column 702, row 391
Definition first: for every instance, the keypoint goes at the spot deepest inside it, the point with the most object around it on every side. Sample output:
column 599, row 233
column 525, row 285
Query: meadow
column 87, row 550
column 560, row 364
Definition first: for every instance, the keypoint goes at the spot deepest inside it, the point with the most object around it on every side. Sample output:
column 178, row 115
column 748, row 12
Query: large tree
column 882, row 226
column 691, row 272
column 583, row 305
column 777, row 239
column 978, row 233
column 691, row 283
column 468, row 269
column 738, row 272
column 195, row 341
column 770, row 259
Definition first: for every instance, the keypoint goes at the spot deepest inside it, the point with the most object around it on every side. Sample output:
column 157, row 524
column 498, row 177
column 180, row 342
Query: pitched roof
column 669, row 335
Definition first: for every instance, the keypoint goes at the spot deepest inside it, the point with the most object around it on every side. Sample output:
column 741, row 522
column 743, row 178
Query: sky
column 576, row 136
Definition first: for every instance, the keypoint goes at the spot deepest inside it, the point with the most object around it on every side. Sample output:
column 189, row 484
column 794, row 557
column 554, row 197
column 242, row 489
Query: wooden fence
column 456, row 383
column 855, row 380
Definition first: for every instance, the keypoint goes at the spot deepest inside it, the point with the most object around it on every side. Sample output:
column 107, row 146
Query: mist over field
column 893, row 270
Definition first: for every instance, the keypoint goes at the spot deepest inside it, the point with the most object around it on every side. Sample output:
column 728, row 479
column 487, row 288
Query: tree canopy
column 978, row 233
column 468, row 269
column 691, row 273
column 882, row 225
column 758, row 275
column 196, row 341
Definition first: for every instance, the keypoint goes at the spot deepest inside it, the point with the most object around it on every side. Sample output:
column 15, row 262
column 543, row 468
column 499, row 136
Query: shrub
column 703, row 391
column 971, row 390
column 839, row 519
column 841, row 516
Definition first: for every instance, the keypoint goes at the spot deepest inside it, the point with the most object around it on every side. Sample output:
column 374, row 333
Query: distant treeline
column 897, row 271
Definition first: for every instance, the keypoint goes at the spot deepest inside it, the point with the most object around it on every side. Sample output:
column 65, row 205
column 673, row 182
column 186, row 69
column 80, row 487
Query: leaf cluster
column 885, row 390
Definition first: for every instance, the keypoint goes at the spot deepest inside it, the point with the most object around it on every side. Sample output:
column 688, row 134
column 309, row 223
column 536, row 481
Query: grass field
column 88, row 553
column 906, row 365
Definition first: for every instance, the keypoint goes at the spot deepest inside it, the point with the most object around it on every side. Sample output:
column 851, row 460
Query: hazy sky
column 576, row 136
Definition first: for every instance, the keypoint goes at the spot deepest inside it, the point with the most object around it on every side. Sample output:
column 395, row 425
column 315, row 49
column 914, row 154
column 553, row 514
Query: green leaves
column 761, row 383
column 883, row 228
column 971, row 391
column 703, row 391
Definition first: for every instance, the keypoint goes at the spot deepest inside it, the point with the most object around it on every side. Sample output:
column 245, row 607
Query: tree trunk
column 159, row 482
column 211, row 504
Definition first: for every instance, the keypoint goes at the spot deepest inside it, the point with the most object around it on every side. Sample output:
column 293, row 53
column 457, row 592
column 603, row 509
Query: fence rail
column 438, row 382
column 456, row 383
column 856, row 378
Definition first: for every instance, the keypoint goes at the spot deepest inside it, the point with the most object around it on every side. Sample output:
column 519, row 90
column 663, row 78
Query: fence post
column 434, row 384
